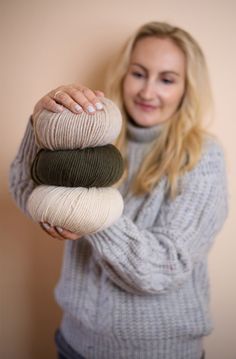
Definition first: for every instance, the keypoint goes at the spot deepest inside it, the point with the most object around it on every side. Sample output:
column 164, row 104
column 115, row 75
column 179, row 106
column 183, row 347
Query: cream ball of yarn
column 80, row 210
column 67, row 130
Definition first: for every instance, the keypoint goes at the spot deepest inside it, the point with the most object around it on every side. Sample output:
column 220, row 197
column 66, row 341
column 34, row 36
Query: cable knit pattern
column 139, row 289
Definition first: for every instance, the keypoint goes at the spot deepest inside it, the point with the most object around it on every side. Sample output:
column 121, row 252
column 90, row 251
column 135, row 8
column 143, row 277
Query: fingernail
column 46, row 226
column 90, row 109
column 59, row 229
column 78, row 108
column 99, row 106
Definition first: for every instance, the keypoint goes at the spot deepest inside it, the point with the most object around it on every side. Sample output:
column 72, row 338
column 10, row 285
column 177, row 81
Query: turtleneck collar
column 143, row 134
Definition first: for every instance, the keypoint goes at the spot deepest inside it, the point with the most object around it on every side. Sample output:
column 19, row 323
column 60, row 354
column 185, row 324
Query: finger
column 67, row 234
column 46, row 103
column 50, row 104
column 50, row 230
column 92, row 98
column 77, row 98
column 87, row 99
column 99, row 93
column 65, row 99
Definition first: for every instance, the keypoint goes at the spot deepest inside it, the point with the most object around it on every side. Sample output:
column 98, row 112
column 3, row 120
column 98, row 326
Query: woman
column 139, row 289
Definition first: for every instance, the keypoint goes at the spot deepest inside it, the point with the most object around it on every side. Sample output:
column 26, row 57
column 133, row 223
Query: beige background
column 50, row 42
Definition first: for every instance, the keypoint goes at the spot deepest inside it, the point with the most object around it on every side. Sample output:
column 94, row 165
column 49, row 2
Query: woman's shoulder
column 212, row 145
column 213, row 149
column 212, row 160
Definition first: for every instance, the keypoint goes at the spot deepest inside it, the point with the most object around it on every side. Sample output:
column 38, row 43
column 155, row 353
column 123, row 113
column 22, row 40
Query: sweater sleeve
column 20, row 182
column 161, row 258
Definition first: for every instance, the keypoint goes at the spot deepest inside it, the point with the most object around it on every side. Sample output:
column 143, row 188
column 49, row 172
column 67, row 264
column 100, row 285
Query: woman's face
column 155, row 81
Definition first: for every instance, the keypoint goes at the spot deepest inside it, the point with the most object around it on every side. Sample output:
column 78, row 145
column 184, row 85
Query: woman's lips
column 145, row 106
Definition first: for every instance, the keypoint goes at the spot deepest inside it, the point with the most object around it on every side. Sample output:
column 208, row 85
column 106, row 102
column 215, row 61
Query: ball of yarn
column 90, row 167
column 80, row 210
column 67, row 130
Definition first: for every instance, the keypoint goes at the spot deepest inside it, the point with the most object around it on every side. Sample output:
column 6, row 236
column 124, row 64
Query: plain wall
column 46, row 43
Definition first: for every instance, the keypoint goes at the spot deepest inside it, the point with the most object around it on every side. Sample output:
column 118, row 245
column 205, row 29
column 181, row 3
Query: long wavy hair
column 180, row 144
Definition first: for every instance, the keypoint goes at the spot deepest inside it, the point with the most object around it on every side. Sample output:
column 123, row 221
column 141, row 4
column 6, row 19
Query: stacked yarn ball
column 75, row 169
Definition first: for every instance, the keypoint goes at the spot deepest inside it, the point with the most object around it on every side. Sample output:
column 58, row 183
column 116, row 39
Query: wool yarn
column 74, row 169
column 79, row 210
column 89, row 167
column 67, row 130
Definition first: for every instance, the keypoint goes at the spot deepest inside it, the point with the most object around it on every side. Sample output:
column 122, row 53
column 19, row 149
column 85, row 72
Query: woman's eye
column 167, row 81
column 137, row 74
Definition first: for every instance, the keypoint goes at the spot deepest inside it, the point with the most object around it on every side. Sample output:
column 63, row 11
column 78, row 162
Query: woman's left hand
column 58, row 232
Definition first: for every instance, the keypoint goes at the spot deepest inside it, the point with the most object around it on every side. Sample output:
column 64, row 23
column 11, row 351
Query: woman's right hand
column 75, row 97
column 58, row 232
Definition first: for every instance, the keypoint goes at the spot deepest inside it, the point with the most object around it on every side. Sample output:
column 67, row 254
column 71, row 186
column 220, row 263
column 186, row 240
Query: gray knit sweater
column 139, row 289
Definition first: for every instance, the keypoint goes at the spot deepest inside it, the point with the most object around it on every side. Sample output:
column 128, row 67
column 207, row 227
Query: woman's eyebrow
column 170, row 72
column 139, row 65
column 165, row 72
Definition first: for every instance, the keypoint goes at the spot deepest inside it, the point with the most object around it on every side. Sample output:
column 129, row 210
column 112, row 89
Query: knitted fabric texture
column 90, row 167
column 80, row 210
column 67, row 130
column 139, row 289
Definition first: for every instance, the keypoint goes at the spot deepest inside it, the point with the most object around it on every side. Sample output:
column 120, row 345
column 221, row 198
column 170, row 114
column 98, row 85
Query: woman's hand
column 76, row 98
column 58, row 232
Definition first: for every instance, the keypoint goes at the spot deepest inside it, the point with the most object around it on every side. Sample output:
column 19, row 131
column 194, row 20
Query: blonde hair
column 180, row 143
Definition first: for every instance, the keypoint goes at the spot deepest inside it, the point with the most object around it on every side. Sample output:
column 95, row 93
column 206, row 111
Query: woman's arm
column 20, row 182
column 158, row 259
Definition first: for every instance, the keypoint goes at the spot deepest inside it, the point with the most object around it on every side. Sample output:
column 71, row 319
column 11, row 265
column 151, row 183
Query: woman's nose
column 148, row 91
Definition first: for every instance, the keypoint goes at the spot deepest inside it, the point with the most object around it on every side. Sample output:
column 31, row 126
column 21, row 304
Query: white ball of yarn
column 80, row 210
column 67, row 130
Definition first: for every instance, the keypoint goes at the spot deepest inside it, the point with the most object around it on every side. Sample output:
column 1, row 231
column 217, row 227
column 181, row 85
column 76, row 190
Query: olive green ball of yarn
column 89, row 167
